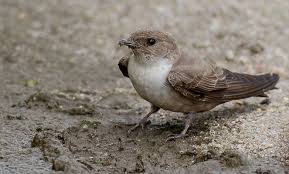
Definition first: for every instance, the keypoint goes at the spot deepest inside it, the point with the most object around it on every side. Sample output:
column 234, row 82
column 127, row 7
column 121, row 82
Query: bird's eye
column 151, row 41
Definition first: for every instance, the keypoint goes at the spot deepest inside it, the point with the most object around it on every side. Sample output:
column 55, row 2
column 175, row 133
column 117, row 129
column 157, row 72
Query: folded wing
column 123, row 64
column 215, row 84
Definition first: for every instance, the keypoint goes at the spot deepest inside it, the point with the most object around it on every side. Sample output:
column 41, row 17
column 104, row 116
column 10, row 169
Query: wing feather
column 123, row 64
column 215, row 84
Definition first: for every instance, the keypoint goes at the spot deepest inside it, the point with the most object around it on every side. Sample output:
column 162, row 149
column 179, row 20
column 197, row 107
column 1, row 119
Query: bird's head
column 150, row 44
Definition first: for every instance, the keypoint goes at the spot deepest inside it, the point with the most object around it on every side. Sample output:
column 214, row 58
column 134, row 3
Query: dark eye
column 151, row 41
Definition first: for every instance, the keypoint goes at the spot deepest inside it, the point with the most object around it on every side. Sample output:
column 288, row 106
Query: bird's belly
column 150, row 82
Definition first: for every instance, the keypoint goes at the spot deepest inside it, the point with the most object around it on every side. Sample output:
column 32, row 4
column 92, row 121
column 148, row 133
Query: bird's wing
column 123, row 64
column 197, row 84
column 214, row 84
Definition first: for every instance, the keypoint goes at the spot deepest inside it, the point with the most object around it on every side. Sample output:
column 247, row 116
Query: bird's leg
column 188, row 122
column 143, row 122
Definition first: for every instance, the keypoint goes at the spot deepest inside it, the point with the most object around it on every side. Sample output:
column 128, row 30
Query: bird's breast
column 150, row 81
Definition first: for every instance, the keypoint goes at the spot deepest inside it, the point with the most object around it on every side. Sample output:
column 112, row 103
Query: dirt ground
column 65, row 107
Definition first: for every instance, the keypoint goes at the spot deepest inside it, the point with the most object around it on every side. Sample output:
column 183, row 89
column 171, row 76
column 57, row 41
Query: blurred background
column 59, row 76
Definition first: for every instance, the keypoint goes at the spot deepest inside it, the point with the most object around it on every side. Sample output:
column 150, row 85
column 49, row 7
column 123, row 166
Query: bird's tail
column 245, row 85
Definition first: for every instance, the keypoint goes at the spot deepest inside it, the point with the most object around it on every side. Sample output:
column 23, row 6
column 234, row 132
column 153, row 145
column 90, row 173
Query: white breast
column 149, row 80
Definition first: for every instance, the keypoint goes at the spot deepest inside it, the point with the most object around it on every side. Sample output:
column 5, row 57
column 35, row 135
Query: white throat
column 150, row 78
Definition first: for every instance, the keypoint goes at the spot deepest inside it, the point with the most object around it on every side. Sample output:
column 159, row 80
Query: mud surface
column 65, row 107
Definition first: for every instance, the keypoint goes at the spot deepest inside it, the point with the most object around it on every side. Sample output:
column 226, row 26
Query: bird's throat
column 149, row 77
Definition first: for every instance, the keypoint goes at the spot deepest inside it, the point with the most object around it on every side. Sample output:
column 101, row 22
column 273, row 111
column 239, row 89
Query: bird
column 171, row 80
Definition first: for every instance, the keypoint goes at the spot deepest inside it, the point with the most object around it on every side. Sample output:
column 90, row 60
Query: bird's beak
column 128, row 43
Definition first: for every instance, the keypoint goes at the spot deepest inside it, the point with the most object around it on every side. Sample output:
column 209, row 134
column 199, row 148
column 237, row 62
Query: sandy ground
column 65, row 107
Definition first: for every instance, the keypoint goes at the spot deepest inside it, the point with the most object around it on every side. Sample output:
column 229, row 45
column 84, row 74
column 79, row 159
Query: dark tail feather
column 245, row 85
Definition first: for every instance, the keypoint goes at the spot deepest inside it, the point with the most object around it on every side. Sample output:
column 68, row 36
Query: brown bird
column 173, row 81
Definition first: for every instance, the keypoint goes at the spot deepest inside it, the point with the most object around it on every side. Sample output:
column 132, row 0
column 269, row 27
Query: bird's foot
column 144, row 121
column 188, row 122
column 172, row 137
column 142, row 124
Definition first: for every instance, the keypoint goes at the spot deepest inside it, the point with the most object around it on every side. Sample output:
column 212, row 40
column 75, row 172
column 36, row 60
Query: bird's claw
column 142, row 124
column 172, row 137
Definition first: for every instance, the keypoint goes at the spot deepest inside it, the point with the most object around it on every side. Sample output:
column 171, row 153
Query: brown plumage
column 176, row 82
column 122, row 65
column 219, row 85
